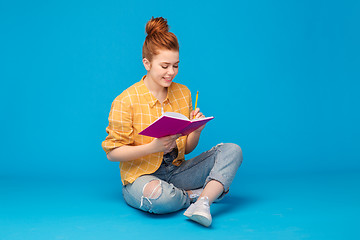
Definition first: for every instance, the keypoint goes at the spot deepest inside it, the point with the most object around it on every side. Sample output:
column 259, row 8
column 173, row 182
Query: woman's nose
column 171, row 71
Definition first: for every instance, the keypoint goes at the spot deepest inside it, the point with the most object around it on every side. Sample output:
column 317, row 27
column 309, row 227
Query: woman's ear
column 147, row 64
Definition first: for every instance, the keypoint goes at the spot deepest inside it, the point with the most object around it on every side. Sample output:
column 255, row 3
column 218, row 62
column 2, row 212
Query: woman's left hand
column 195, row 114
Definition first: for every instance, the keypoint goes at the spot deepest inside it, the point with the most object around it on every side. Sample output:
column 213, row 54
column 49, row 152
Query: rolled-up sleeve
column 120, row 130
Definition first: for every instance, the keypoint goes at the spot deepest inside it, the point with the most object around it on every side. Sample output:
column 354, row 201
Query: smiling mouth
column 168, row 79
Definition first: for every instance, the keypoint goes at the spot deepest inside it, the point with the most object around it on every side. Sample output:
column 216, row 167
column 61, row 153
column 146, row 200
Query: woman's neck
column 156, row 90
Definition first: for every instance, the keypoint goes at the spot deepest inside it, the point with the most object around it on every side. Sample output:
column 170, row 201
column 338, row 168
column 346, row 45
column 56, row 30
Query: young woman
column 155, row 176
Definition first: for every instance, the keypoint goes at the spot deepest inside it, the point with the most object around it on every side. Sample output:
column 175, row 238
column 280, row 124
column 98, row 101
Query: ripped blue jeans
column 171, row 182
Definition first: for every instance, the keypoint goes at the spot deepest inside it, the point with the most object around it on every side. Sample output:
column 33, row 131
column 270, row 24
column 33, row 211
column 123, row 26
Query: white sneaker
column 200, row 212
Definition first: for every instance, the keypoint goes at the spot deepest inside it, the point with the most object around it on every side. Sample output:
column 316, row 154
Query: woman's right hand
column 165, row 144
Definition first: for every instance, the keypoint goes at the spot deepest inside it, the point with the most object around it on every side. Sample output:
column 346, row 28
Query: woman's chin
column 166, row 83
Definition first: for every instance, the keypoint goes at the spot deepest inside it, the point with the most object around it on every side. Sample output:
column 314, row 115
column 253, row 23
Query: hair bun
column 158, row 38
column 157, row 25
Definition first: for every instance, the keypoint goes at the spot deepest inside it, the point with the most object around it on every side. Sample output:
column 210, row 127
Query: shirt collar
column 148, row 95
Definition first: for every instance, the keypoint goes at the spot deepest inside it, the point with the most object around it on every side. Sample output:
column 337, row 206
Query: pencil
column 197, row 95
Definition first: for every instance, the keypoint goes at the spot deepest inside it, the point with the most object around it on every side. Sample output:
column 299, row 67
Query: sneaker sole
column 200, row 218
column 187, row 214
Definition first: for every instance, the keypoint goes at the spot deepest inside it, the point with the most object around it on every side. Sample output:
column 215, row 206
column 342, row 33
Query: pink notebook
column 171, row 123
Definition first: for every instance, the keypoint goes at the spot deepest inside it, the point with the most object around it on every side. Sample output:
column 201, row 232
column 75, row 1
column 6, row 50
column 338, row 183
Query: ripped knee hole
column 152, row 189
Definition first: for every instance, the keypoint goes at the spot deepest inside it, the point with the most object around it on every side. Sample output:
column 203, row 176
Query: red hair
column 158, row 37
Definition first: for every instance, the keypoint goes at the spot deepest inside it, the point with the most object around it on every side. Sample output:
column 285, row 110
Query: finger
column 176, row 136
column 168, row 144
column 172, row 140
column 199, row 115
column 170, row 148
column 165, row 138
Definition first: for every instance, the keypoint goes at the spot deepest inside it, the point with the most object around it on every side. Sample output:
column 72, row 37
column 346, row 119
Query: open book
column 171, row 123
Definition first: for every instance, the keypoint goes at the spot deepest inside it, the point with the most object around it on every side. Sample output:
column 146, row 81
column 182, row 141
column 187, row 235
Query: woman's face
column 163, row 67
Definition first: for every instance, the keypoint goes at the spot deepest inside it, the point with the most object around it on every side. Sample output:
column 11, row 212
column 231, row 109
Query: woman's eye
column 165, row 67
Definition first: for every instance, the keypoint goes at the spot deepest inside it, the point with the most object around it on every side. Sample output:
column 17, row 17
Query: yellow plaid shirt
column 134, row 110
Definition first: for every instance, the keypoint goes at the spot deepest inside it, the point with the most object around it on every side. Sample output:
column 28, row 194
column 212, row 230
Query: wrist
column 150, row 148
column 153, row 147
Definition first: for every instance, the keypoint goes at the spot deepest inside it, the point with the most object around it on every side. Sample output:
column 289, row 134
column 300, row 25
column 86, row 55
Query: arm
column 191, row 142
column 193, row 138
column 128, row 153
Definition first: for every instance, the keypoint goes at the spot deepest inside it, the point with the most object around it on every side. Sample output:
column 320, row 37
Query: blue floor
column 303, row 206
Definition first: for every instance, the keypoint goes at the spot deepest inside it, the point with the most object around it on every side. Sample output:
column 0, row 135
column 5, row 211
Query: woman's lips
column 168, row 79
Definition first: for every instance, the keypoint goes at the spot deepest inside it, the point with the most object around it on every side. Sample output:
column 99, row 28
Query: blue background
column 280, row 77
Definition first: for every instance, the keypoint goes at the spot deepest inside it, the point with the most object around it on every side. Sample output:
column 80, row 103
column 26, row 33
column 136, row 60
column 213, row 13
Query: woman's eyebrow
column 170, row 63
